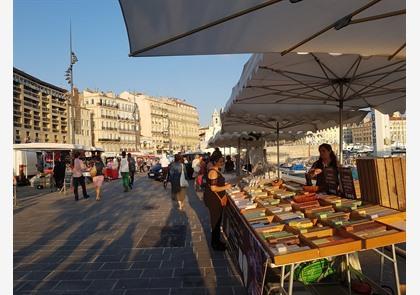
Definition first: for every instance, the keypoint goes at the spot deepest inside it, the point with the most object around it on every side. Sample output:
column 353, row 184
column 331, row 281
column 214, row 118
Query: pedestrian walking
column 215, row 199
column 178, row 180
column 148, row 164
column 164, row 163
column 97, row 173
column 124, row 171
column 59, row 172
column 78, row 178
column 131, row 169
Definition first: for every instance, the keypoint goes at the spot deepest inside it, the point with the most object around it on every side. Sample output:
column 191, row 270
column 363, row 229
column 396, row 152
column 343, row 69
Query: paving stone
column 107, row 284
column 36, row 275
column 146, row 264
column 126, row 274
column 157, row 273
column 116, row 265
column 76, row 285
column 166, row 283
column 148, row 292
column 36, row 285
column 67, row 275
column 132, row 284
column 189, row 272
column 189, row 291
column 98, row 274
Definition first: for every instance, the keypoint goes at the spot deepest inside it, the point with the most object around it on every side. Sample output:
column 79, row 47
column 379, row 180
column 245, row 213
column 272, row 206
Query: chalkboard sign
column 331, row 180
column 346, row 182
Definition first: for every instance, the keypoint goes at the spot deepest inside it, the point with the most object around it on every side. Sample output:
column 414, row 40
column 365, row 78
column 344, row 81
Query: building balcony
column 107, row 105
column 110, row 128
column 45, row 129
column 37, row 118
column 109, row 139
column 37, row 128
column 27, row 126
column 17, row 113
column 31, row 105
column 17, row 124
column 30, row 94
column 17, row 101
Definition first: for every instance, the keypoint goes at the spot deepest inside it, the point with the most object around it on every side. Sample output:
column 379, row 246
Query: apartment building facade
column 167, row 124
column 115, row 121
column 39, row 110
column 398, row 130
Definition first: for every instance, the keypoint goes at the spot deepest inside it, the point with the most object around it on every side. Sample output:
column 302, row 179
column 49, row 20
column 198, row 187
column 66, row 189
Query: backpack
column 313, row 272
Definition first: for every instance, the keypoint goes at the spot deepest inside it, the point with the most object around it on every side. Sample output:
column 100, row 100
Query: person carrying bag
column 215, row 200
column 179, row 183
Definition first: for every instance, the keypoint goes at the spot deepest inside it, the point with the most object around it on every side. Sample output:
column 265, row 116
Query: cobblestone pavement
column 123, row 244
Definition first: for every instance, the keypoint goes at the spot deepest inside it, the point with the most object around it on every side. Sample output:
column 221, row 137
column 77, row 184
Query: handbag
column 93, row 171
column 223, row 200
column 183, row 181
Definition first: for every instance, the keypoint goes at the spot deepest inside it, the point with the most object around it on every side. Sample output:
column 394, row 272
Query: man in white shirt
column 164, row 163
column 78, row 178
column 124, row 170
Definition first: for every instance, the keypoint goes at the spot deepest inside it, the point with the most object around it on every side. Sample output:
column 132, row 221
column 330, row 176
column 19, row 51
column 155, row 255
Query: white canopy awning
column 189, row 27
column 242, row 119
column 39, row 146
column 318, row 83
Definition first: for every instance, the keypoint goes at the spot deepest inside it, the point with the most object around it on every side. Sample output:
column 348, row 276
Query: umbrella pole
column 278, row 150
column 340, row 106
column 238, row 160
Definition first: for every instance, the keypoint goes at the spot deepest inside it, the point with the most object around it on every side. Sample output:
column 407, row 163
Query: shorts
column 98, row 180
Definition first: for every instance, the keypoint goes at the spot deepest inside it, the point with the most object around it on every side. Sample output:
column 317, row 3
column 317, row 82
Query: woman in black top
column 215, row 199
column 327, row 160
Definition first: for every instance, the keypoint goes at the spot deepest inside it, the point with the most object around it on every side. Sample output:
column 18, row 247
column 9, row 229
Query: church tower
column 216, row 120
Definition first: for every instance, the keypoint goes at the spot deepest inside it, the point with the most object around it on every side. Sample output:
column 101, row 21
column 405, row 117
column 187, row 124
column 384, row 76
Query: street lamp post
column 69, row 79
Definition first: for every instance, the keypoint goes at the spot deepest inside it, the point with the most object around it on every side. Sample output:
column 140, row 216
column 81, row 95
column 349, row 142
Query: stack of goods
column 331, row 240
column 283, row 194
column 348, row 205
column 313, row 231
column 293, row 186
column 265, row 202
column 281, row 242
column 375, row 234
column 280, row 208
column 305, row 205
column 373, row 212
column 245, row 204
column 305, row 197
column 340, row 204
column 312, row 211
column 288, row 217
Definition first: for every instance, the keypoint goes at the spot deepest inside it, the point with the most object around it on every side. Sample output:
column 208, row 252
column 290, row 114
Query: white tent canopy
column 39, row 146
column 189, row 27
column 240, row 118
column 318, row 82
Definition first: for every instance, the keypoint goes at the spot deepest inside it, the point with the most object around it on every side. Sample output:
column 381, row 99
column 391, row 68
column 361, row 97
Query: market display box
column 375, row 212
column 334, row 244
column 375, row 234
column 308, row 253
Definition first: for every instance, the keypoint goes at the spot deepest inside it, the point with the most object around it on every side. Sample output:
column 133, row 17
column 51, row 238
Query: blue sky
column 41, row 48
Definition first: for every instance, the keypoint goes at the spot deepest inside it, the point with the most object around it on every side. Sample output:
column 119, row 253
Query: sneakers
column 86, row 197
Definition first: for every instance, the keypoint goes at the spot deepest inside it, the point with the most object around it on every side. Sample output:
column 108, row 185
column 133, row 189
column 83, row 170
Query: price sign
column 331, row 180
column 346, row 182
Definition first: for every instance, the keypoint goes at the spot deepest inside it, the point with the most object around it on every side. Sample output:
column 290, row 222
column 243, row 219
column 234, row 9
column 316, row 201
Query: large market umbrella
column 318, row 85
column 189, row 27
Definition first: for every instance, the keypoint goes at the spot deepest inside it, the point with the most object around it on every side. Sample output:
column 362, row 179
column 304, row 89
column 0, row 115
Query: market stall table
column 244, row 227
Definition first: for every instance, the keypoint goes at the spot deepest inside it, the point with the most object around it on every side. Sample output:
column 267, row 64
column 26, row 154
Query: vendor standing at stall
column 215, row 199
column 327, row 161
